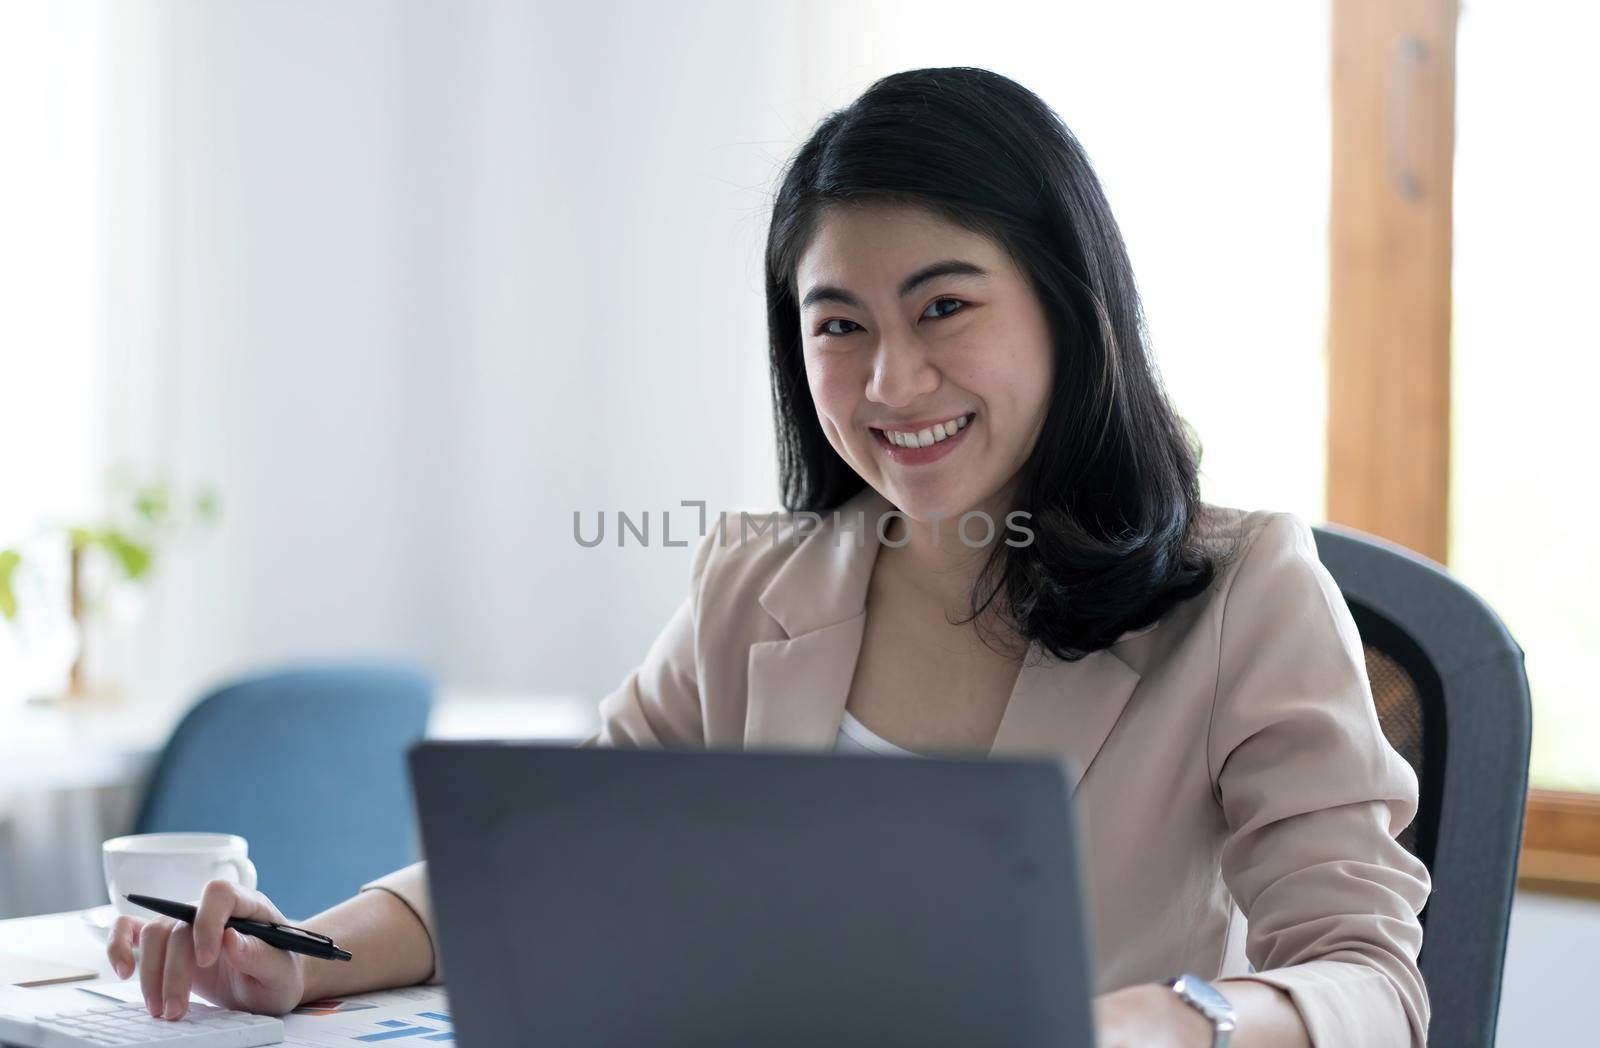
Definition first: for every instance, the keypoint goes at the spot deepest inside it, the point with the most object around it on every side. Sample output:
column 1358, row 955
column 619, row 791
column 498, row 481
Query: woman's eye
column 937, row 309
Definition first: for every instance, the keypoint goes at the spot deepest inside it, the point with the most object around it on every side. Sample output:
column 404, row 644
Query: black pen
column 283, row 936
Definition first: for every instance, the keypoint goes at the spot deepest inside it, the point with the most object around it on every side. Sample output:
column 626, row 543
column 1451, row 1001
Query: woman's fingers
column 255, row 958
column 119, row 948
column 153, row 961
column 220, row 900
column 177, row 972
column 170, row 953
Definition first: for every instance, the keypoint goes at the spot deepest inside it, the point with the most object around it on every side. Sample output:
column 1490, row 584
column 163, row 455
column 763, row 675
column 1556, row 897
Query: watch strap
column 1209, row 1002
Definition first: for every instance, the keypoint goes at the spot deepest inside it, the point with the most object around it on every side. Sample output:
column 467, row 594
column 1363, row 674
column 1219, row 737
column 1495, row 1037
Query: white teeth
column 926, row 437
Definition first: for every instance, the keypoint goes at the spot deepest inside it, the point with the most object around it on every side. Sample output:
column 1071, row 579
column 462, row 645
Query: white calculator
column 114, row 1022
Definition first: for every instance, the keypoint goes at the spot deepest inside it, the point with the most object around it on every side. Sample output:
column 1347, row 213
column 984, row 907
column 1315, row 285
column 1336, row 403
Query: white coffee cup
column 173, row 866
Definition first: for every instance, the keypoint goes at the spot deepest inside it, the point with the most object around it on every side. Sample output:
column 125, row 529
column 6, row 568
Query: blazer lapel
column 798, row 685
column 1067, row 709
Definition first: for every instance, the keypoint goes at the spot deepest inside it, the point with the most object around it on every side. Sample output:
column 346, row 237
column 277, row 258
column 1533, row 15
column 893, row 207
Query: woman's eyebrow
column 950, row 267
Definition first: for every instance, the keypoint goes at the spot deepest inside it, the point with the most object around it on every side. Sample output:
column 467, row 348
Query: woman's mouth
column 927, row 444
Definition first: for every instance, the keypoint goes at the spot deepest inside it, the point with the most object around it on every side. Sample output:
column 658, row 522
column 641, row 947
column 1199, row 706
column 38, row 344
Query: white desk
column 69, row 776
column 94, row 744
column 66, row 938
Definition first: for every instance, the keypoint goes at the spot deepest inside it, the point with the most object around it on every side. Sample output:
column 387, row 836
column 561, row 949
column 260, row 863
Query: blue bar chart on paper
column 411, row 1015
column 424, row 1026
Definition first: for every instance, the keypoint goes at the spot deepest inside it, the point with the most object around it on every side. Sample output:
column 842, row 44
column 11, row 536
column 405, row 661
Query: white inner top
column 855, row 737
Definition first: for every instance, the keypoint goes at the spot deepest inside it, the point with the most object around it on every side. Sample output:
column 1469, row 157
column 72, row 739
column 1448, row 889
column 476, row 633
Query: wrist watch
column 1209, row 1002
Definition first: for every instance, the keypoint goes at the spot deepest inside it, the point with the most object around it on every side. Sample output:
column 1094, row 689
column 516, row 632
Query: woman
column 995, row 543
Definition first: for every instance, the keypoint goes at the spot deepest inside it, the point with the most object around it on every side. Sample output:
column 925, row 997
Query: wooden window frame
column 1390, row 217
column 1561, row 844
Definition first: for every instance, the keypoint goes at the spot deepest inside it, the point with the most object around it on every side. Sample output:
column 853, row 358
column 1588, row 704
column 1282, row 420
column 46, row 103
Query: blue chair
column 308, row 765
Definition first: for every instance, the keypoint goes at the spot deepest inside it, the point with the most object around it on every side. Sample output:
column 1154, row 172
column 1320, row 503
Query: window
column 1526, row 359
column 52, row 69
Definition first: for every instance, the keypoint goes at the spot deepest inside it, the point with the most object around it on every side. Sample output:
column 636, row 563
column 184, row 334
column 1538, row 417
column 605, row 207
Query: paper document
column 36, row 971
column 413, row 1015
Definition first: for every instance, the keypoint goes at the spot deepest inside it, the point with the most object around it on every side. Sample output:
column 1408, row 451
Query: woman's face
column 909, row 321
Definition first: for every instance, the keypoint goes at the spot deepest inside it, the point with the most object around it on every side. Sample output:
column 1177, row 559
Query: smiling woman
column 941, row 249
column 954, row 328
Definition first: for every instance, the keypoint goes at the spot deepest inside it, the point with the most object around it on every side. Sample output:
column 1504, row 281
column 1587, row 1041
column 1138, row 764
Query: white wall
column 414, row 282
column 1547, row 994
column 591, row 322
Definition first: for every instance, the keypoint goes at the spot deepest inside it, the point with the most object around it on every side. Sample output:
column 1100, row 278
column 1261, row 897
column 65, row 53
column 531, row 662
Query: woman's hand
column 1148, row 1016
column 228, row 969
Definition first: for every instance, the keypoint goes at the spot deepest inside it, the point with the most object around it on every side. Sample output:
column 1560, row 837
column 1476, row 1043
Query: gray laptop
column 717, row 898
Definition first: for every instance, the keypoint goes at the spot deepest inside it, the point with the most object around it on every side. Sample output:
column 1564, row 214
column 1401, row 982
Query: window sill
column 1561, row 844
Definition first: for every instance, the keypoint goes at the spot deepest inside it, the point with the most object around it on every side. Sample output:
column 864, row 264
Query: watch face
column 1204, row 996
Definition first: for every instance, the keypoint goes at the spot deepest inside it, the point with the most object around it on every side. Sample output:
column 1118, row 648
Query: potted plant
column 145, row 516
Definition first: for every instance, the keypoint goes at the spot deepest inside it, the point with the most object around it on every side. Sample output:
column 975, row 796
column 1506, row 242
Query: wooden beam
column 1394, row 68
column 1389, row 284
column 1561, row 844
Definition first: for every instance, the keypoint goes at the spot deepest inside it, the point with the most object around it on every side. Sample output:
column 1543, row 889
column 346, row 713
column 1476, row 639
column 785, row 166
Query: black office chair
column 1452, row 696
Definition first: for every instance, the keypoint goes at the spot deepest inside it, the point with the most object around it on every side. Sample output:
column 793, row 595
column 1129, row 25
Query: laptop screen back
column 624, row 897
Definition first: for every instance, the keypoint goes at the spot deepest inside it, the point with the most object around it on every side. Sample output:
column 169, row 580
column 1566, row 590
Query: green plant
column 9, row 559
column 147, row 514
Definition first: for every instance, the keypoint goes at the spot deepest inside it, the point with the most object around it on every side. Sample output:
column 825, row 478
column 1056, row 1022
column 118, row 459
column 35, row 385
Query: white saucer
column 99, row 920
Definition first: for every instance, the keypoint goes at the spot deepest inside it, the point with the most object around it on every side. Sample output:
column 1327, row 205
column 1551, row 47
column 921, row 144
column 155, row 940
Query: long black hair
column 1112, row 484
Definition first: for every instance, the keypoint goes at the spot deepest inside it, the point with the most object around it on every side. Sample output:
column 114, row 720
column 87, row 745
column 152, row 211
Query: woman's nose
column 901, row 372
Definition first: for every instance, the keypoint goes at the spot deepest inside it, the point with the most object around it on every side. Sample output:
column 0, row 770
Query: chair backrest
column 308, row 765
column 1452, row 696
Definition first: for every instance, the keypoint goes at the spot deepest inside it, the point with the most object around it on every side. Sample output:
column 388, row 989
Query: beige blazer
column 1239, row 801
